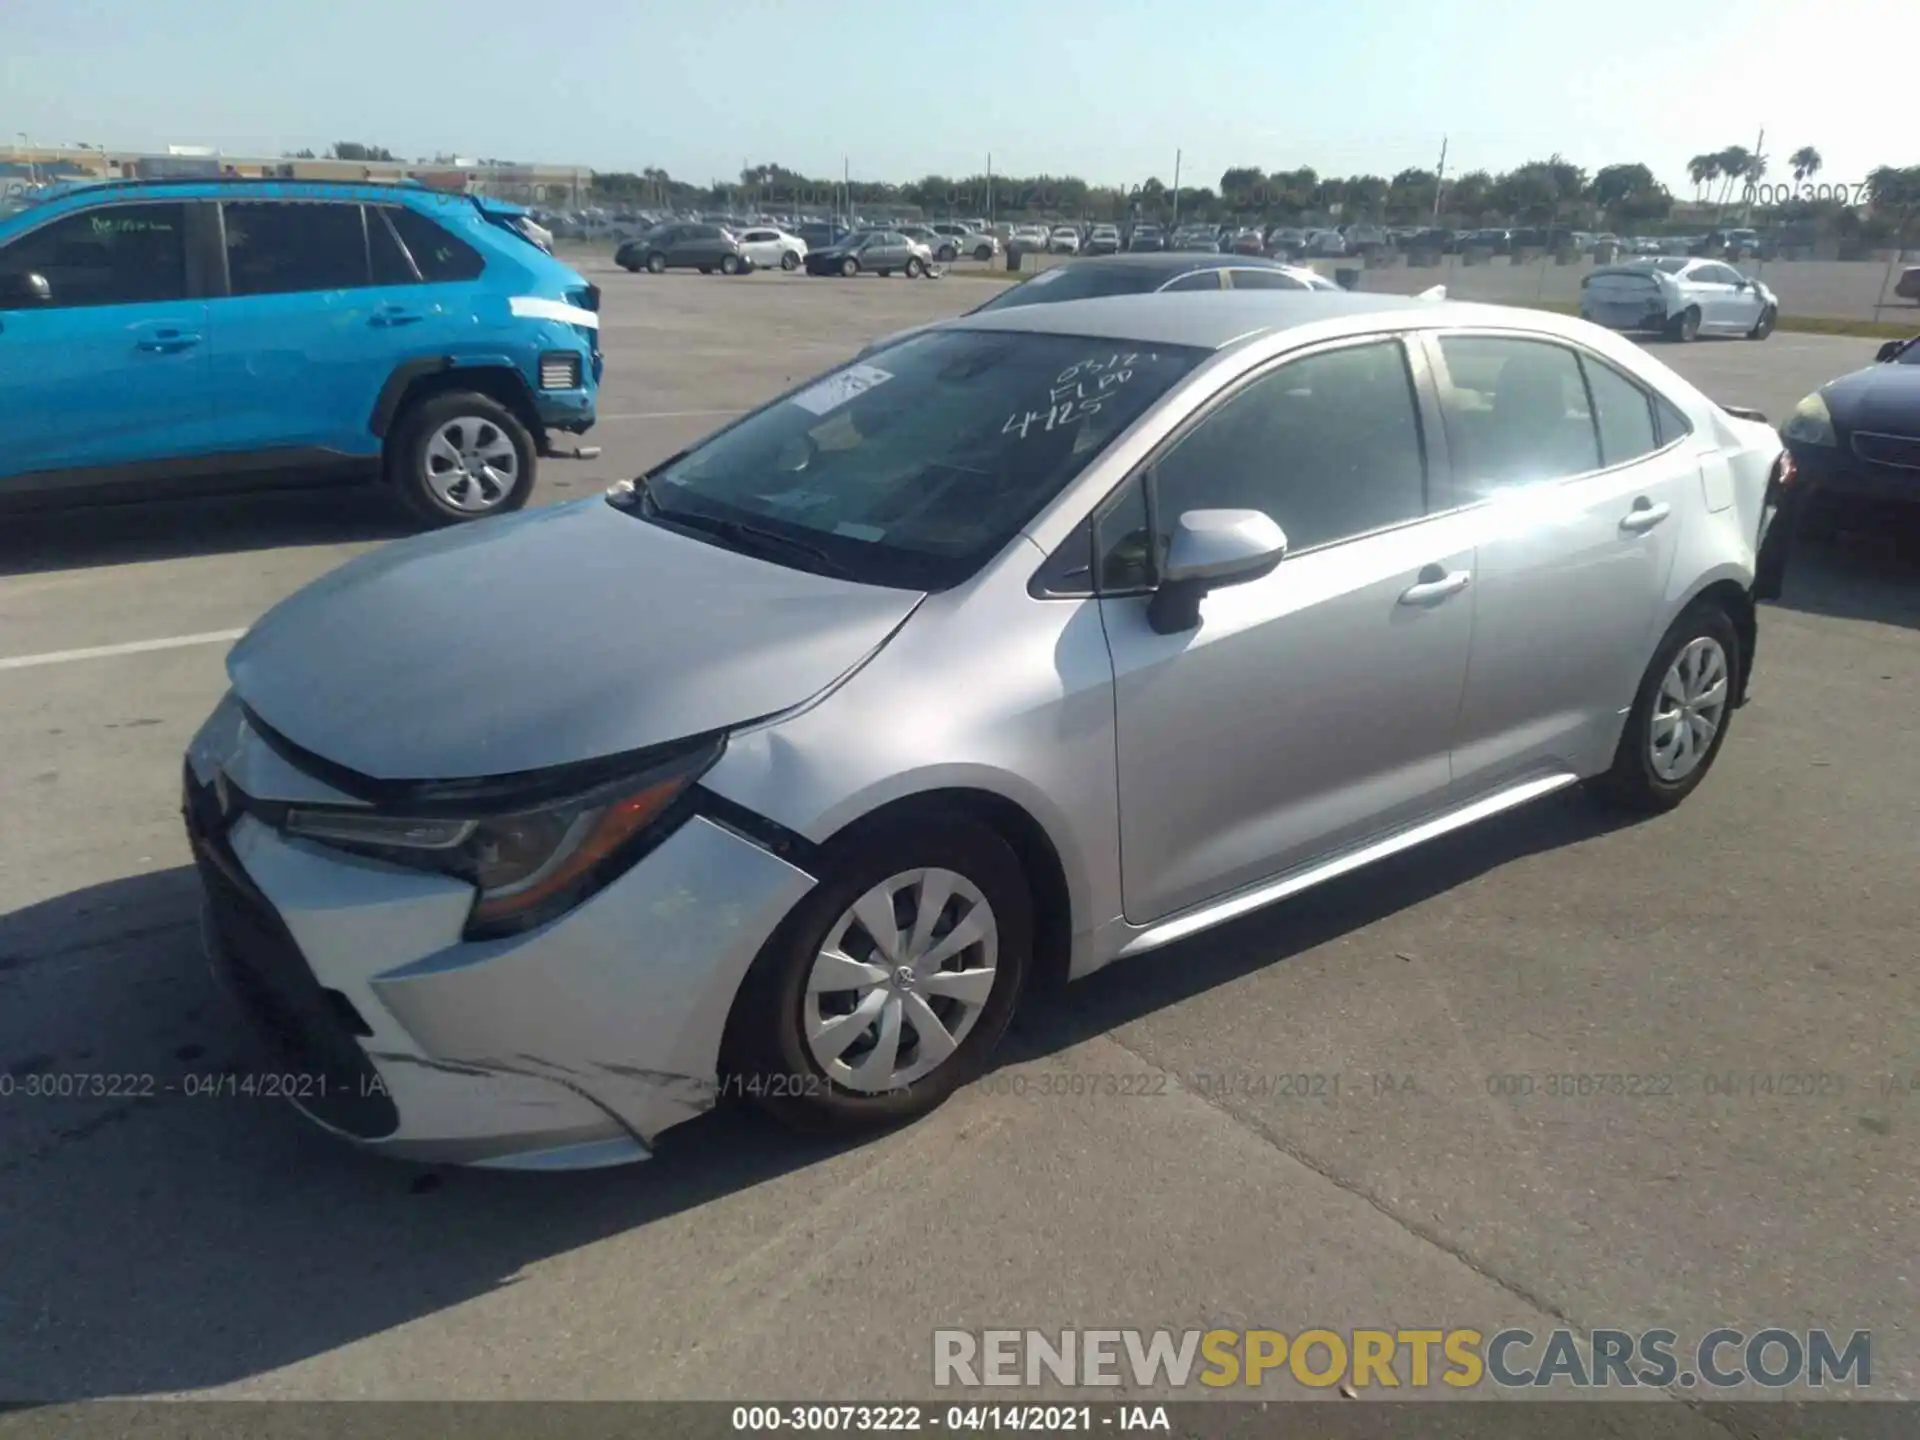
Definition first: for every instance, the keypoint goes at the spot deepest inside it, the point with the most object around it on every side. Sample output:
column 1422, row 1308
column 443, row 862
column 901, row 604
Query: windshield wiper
column 749, row 538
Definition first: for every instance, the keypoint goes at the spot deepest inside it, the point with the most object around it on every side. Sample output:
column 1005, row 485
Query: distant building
column 549, row 185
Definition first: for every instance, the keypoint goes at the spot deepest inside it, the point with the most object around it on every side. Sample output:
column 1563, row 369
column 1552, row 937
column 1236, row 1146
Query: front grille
column 560, row 370
column 1900, row 450
column 308, row 1029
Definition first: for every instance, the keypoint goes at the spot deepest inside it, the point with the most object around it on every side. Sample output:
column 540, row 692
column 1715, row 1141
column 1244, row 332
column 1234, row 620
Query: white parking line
column 131, row 647
column 668, row 415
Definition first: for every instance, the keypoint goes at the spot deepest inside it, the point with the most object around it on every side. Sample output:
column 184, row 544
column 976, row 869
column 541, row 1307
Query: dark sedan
column 692, row 246
column 1856, row 441
column 880, row 252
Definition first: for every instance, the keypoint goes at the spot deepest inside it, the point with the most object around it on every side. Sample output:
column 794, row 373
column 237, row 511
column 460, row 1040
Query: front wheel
column 1679, row 718
column 1763, row 327
column 915, row 269
column 458, row 457
column 849, row 267
column 983, row 254
column 656, row 263
column 890, row 984
column 790, row 260
column 730, row 265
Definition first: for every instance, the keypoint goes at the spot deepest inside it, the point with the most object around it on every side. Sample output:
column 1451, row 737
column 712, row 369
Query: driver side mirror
column 1211, row 549
column 1890, row 351
column 18, row 291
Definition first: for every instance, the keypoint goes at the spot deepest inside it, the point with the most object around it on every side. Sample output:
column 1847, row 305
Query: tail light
column 1783, row 472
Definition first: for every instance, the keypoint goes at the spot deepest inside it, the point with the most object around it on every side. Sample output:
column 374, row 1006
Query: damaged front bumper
column 570, row 1046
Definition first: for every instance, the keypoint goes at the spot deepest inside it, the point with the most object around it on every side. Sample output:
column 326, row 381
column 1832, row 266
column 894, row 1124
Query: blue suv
column 157, row 336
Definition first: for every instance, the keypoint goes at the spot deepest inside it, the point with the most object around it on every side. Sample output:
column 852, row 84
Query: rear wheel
column 790, row 260
column 915, row 269
column 983, row 254
column 1679, row 718
column 849, row 266
column 1763, row 327
column 656, row 262
column 1685, row 327
column 889, row 985
column 460, row 456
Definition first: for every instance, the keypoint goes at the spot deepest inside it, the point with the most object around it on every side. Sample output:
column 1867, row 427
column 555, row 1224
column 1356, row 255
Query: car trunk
column 1625, row 297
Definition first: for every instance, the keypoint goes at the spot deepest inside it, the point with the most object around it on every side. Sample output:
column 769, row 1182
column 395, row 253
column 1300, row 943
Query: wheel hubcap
column 1689, row 709
column 471, row 465
column 900, row 980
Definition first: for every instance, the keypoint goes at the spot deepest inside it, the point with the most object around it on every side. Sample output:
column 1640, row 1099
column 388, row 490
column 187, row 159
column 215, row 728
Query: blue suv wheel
column 458, row 456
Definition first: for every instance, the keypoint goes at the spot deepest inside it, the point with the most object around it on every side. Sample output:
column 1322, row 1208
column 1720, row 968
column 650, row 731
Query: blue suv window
column 440, row 255
column 391, row 263
column 108, row 255
column 280, row 247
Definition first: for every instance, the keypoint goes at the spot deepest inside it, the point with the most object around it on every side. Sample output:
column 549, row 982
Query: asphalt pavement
column 1325, row 1135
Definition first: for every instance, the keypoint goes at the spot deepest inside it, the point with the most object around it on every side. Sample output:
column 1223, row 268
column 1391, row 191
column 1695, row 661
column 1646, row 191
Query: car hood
column 557, row 635
column 1884, row 397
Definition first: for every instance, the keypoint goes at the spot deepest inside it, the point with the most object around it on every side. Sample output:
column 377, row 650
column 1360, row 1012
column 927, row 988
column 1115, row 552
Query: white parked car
column 1065, row 240
column 960, row 237
column 1029, row 237
column 769, row 248
column 1681, row 297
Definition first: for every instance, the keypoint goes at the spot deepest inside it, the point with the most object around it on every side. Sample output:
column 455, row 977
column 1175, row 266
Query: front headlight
column 533, row 862
column 1811, row 423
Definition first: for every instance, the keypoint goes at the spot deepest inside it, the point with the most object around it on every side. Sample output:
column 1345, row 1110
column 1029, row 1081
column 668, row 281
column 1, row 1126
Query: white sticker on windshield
column 836, row 390
column 859, row 532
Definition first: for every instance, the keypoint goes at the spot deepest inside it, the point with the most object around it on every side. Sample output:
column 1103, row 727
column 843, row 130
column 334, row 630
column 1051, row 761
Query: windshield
column 914, row 466
column 1076, row 282
column 1910, row 355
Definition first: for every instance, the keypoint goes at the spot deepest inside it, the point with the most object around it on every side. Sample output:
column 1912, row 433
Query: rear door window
column 1519, row 413
column 281, row 247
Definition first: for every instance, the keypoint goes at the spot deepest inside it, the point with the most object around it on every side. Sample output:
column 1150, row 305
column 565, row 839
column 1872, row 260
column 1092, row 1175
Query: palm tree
column 1806, row 163
column 1703, row 170
column 1733, row 166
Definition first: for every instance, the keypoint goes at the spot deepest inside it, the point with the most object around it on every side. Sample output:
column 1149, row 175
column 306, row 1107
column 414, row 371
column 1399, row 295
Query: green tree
column 1806, row 163
column 1703, row 170
column 354, row 150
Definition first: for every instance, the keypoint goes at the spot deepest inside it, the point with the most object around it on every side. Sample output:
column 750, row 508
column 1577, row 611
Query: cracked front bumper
column 573, row 1045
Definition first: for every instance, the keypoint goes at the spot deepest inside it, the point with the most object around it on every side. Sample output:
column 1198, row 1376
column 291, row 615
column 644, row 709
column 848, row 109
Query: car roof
column 1215, row 320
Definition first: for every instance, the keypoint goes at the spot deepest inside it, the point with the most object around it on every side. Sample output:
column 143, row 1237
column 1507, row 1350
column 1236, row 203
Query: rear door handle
column 1434, row 585
column 168, row 342
column 387, row 318
column 1644, row 515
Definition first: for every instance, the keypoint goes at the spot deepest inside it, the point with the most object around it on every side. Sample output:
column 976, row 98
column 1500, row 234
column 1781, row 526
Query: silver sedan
column 1043, row 638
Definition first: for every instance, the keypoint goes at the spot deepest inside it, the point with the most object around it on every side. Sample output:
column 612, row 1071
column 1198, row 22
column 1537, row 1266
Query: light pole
column 26, row 145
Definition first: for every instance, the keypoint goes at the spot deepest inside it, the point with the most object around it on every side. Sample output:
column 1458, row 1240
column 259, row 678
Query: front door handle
column 168, row 342
column 391, row 317
column 1434, row 585
column 1644, row 515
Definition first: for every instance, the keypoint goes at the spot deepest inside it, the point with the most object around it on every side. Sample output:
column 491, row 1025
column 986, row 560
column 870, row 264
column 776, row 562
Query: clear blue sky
column 1105, row 89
